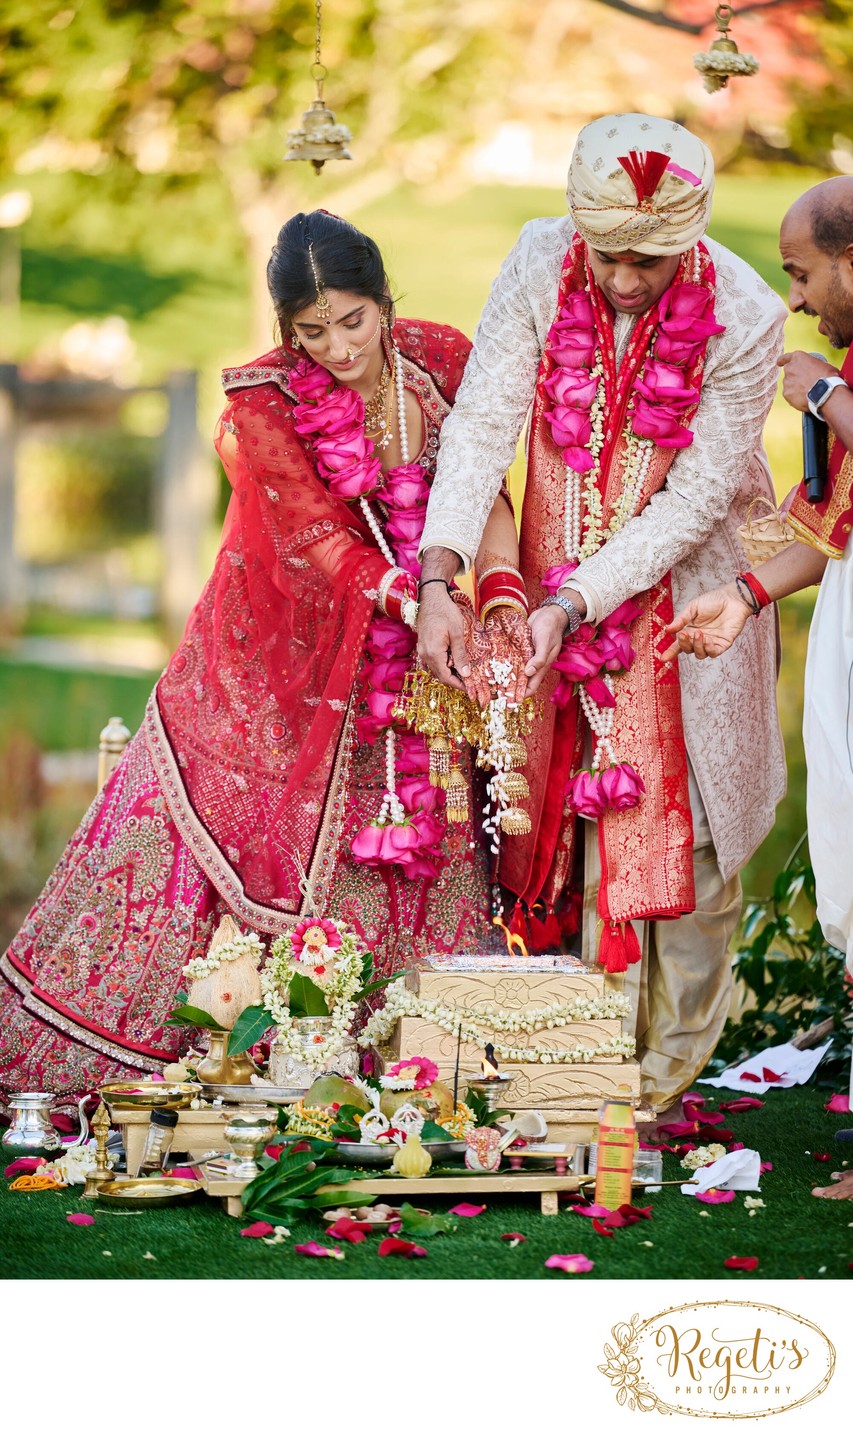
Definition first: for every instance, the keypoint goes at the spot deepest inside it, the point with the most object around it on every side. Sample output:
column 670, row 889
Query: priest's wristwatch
column 820, row 392
column 575, row 618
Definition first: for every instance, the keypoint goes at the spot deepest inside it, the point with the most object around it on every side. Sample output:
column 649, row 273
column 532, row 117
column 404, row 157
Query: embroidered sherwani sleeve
column 740, row 382
column 479, row 436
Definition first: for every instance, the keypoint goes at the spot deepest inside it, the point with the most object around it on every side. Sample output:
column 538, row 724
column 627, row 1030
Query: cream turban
column 638, row 182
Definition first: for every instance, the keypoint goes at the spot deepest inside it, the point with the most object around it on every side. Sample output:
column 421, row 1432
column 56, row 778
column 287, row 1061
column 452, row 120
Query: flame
column 514, row 944
column 490, row 1070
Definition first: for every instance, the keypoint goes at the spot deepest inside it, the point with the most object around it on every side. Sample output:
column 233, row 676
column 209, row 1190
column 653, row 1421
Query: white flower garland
column 477, row 1025
column 276, row 976
column 212, row 960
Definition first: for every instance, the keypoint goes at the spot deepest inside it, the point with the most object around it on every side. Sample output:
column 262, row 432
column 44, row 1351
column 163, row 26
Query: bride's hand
column 478, row 682
column 511, row 641
column 709, row 625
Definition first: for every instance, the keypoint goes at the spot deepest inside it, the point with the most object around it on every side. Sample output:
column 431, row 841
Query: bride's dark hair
column 345, row 259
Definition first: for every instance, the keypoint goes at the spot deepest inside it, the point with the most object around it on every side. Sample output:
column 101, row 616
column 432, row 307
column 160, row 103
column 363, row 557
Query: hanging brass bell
column 320, row 138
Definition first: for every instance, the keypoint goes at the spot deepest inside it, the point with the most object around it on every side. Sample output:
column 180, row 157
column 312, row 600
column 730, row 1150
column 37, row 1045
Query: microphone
column 815, row 442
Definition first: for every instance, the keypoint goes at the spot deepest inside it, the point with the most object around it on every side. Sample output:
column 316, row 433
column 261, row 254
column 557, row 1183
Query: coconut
column 435, row 1102
column 235, row 985
column 330, row 1088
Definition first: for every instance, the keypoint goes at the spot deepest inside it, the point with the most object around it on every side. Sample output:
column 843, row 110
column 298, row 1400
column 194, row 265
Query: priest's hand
column 708, row 625
column 511, row 641
column 800, row 372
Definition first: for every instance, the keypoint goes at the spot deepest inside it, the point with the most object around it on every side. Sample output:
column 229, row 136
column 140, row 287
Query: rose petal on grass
column 513, row 1237
column 316, row 1249
column 349, row 1230
column 838, row 1103
column 80, row 1219
column 570, row 1262
column 258, row 1229
column 741, row 1264
column 400, row 1247
column 592, row 1209
column 626, row 1215
column 822, row 1157
column 716, row 1195
column 467, row 1209
column 601, row 1230
column 23, row 1165
column 741, row 1105
column 765, row 1168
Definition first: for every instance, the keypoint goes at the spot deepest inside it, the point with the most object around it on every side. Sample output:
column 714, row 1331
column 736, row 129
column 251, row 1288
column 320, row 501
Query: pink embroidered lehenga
column 258, row 763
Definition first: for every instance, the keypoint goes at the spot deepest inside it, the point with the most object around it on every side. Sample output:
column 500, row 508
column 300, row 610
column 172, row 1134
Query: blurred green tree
column 821, row 127
column 187, row 89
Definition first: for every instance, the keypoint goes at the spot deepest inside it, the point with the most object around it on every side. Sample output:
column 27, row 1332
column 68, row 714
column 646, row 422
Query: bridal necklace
column 377, row 413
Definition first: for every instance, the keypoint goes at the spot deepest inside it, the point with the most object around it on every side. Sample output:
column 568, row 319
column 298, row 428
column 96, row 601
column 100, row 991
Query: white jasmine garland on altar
column 482, row 1024
column 212, row 960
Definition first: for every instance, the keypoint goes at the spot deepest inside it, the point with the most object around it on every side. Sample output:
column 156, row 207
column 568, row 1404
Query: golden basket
column 768, row 535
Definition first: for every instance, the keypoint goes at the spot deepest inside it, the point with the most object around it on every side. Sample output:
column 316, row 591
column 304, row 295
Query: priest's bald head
column 816, row 241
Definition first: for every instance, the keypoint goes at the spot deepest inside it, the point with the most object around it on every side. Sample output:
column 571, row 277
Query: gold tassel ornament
column 457, row 797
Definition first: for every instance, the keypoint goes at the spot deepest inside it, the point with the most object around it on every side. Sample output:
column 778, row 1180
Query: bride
column 269, row 765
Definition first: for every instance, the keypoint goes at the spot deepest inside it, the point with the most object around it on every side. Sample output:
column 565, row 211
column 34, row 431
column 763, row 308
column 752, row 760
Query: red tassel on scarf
column 618, row 947
column 538, row 934
column 644, row 168
column 518, row 922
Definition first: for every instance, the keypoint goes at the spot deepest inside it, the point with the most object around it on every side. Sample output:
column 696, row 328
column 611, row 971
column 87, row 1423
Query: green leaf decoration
column 376, row 986
column 435, row 1133
column 366, row 967
column 342, row 1197
column 305, row 999
column 249, row 1028
column 425, row 1224
column 185, row 1015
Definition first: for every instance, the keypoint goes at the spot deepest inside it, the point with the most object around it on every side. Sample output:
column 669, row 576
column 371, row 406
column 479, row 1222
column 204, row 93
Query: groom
column 644, row 361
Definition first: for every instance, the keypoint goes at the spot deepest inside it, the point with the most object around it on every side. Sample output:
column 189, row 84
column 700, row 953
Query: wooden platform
column 548, row 1187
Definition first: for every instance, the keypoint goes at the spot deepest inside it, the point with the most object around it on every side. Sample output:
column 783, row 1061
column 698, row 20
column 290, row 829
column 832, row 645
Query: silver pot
column 31, row 1129
column 287, row 1070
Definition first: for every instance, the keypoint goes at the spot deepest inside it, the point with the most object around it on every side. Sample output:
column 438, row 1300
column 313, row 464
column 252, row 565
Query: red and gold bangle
column 757, row 590
column 398, row 596
column 501, row 586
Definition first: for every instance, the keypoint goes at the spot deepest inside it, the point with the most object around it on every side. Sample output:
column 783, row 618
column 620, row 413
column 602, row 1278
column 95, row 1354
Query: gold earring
column 295, row 340
column 385, row 317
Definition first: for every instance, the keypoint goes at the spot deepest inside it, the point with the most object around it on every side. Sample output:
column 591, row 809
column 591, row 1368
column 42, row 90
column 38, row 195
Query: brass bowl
column 148, row 1192
column 149, row 1094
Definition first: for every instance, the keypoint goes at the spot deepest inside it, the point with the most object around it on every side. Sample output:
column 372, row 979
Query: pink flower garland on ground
column 331, row 417
column 661, row 397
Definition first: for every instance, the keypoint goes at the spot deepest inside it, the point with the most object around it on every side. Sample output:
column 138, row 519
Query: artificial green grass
column 794, row 1236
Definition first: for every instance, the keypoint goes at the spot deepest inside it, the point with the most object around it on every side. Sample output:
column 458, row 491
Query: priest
column 643, row 358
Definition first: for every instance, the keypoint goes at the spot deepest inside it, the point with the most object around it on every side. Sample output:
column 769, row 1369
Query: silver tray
column 381, row 1155
column 251, row 1094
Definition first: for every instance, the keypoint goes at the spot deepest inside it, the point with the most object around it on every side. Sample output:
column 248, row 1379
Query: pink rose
column 418, row 793
column 569, row 426
column 342, row 411
column 554, row 578
column 372, row 845
column 664, row 384
column 578, row 661
column 677, row 351
column 387, row 674
column 584, row 794
column 572, row 348
column 406, row 525
column 572, row 388
column 412, row 754
column 622, row 786
column 354, row 482
column 600, row 693
column 578, row 310
column 627, row 612
column 309, row 380
column 687, row 310
column 617, row 651
column 655, row 422
column 339, row 451
column 380, row 704
column 404, row 487
column 563, row 693
column 388, row 639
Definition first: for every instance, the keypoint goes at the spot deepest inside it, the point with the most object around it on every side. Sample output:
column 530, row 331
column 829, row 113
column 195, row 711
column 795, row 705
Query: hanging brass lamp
column 320, row 138
column 717, row 65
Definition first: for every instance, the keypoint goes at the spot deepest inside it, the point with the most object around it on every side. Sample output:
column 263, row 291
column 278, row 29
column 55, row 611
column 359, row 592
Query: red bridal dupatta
column 252, row 726
column 646, row 850
column 827, row 525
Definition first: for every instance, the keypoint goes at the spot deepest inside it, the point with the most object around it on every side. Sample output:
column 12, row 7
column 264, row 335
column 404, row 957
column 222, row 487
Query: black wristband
column 424, row 582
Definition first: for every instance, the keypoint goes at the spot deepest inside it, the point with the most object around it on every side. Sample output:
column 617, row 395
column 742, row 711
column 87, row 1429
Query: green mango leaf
column 375, row 986
column 435, row 1133
column 305, row 999
column 342, row 1197
column 425, row 1224
column 249, row 1028
column 186, row 1015
column 366, row 967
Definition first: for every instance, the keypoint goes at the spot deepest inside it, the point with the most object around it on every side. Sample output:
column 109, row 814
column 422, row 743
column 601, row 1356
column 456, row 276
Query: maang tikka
column 321, row 299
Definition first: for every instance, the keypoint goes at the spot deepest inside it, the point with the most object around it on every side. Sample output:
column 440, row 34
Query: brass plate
column 150, row 1094
column 148, row 1192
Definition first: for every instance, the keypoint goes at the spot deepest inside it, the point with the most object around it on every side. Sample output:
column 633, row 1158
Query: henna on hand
column 511, row 641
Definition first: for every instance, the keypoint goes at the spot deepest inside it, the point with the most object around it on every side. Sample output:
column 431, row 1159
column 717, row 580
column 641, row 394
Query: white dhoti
column 828, row 738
